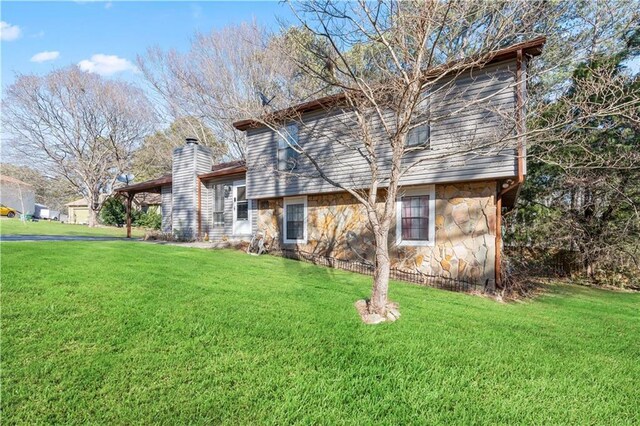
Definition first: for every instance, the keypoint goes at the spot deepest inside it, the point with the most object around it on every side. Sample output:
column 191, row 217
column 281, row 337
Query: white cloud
column 108, row 5
column 9, row 32
column 45, row 56
column 106, row 64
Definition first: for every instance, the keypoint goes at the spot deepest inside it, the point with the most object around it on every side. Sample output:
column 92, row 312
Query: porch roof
column 153, row 185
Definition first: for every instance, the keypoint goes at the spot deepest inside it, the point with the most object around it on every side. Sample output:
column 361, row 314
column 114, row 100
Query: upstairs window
column 287, row 155
column 415, row 225
column 420, row 135
column 218, row 204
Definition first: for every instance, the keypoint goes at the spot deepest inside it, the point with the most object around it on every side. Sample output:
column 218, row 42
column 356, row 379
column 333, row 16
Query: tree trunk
column 381, row 273
column 93, row 217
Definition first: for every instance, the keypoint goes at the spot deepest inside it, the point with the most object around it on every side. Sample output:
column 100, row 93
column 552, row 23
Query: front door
column 241, row 214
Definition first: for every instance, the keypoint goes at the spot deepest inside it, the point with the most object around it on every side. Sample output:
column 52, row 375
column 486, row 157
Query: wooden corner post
column 128, row 206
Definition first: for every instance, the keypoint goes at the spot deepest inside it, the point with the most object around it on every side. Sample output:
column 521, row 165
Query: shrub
column 150, row 219
column 113, row 212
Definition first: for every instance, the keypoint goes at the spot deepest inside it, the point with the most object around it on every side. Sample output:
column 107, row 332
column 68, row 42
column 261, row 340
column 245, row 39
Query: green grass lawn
column 115, row 332
column 44, row 227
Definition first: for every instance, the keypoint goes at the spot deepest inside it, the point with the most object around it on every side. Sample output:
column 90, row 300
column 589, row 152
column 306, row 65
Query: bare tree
column 82, row 127
column 227, row 72
column 403, row 74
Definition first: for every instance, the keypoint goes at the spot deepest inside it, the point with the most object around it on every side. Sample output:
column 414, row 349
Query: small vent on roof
column 192, row 141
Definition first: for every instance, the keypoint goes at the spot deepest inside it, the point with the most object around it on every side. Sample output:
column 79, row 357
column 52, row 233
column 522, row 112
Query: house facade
column 463, row 172
column 17, row 194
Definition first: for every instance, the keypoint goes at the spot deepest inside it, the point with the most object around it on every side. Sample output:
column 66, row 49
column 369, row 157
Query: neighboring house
column 78, row 212
column 448, row 212
column 148, row 202
column 17, row 195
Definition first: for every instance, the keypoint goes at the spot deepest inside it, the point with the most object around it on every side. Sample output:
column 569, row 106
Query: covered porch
column 130, row 191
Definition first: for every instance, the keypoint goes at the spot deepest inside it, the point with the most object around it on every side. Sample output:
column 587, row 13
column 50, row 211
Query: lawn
column 115, row 332
column 44, row 227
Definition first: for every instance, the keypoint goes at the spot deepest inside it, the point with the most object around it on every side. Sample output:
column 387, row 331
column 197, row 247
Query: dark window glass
column 287, row 156
column 415, row 218
column 419, row 136
column 295, row 221
column 243, row 211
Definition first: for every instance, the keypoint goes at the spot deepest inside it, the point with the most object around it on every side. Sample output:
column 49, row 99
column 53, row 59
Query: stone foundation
column 337, row 226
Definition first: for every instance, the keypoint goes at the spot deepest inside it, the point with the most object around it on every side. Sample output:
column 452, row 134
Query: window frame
column 287, row 202
column 213, row 204
column 429, row 190
column 288, row 137
column 422, row 114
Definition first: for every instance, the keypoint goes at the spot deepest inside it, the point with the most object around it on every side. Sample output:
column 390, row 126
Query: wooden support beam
column 128, row 207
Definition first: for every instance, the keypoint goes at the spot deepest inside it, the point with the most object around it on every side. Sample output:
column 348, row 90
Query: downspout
column 520, row 168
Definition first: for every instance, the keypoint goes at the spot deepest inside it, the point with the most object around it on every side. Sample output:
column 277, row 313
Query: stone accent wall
column 337, row 226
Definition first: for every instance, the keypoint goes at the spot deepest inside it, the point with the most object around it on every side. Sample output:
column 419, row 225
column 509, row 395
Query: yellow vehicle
column 7, row 211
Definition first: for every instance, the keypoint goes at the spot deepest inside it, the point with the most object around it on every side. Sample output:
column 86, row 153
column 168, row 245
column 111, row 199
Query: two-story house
column 468, row 165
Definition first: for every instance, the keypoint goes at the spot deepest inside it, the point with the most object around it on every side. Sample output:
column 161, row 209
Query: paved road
column 13, row 238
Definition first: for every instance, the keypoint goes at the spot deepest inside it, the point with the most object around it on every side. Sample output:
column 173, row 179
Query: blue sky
column 106, row 36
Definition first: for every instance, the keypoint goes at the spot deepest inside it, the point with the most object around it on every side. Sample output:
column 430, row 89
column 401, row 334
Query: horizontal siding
column 188, row 162
column 219, row 232
column 465, row 144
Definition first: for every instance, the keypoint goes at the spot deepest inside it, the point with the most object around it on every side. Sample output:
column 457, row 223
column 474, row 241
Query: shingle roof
column 11, row 180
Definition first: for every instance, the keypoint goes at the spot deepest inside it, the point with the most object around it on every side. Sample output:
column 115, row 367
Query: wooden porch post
column 129, row 200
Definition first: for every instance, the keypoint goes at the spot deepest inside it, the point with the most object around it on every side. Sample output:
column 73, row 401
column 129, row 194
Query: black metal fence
column 543, row 263
column 366, row 268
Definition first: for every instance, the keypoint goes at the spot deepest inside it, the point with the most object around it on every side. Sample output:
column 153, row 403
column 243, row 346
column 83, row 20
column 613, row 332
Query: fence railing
column 540, row 262
column 366, row 268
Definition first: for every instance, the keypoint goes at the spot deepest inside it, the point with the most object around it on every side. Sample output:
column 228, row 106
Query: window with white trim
column 420, row 134
column 218, row 204
column 295, row 220
column 287, row 155
column 415, row 220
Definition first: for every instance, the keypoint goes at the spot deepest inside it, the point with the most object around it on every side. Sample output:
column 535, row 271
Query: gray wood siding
column 188, row 162
column 470, row 116
column 166, row 208
column 219, row 232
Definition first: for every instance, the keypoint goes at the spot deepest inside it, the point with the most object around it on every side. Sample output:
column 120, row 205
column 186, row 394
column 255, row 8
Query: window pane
column 295, row 221
column 242, row 210
column 241, row 193
column 415, row 218
column 418, row 136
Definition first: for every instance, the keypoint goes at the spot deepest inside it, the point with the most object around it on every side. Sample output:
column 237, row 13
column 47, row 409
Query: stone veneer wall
column 338, row 227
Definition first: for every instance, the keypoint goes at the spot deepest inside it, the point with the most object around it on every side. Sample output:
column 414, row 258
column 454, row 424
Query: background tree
column 583, row 188
column 225, row 73
column 77, row 125
column 154, row 158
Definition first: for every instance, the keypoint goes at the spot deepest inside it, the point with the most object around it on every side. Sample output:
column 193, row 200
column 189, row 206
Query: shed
column 78, row 211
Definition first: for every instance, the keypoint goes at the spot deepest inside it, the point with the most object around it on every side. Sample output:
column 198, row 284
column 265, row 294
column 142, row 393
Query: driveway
column 13, row 238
